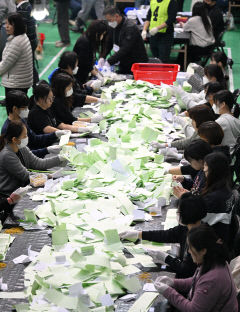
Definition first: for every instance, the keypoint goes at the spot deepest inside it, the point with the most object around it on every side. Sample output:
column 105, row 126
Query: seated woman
column 16, row 159
column 212, row 287
column 197, row 80
column 212, row 133
column 41, row 118
column 200, row 28
column 224, row 104
column 93, row 41
column 191, row 210
column 63, row 102
column 198, row 115
column 195, row 154
column 17, row 103
column 68, row 64
column 213, row 73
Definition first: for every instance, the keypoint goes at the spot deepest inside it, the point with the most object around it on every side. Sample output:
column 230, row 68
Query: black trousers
column 195, row 53
column 160, row 45
column 62, row 20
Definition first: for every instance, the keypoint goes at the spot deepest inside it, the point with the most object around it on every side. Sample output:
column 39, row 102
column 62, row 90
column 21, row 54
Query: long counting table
column 13, row 274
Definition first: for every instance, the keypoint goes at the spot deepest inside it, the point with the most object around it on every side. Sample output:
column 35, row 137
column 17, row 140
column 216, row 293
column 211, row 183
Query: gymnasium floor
column 51, row 54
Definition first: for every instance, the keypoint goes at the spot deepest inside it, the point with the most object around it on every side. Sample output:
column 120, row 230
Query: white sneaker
column 72, row 22
column 60, row 44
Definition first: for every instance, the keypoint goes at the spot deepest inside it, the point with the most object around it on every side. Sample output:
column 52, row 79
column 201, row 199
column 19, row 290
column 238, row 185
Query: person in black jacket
column 194, row 154
column 191, row 210
column 125, row 40
column 216, row 17
column 17, row 104
column 86, row 47
column 68, row 65
column 25, row 9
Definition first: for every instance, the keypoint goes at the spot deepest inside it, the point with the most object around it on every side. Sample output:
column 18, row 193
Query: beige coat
column 16, row 67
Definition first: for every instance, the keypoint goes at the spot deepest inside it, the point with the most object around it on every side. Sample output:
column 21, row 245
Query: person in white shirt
column 229, row 111
column 200, row 27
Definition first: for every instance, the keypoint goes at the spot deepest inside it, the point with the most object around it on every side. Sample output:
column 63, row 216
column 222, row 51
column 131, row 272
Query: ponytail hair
column 14, row 130
column 204, row 237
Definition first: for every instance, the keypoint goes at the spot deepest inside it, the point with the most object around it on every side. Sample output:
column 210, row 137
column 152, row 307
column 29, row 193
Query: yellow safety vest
column 159, row 12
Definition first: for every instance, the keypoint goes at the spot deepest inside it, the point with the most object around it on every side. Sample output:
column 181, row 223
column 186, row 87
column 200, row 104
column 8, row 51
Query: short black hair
column 42, row 89
column 16, row 98
column 212, row 132
column 18, row 23
column 197, row 150
column 201, row 113
column 68, row 58
column 192, row 208
column 111, row 11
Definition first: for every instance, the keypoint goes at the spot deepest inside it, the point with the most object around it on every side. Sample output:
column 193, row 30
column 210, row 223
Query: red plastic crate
column 155, row 73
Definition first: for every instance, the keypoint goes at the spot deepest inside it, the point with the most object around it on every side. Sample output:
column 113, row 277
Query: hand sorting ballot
column 130, row 235
column 18, row 194
column 178, row 191
column 162, row 283
column 59, row 133
column 54, row 149
column 157, row 255
column 156, row 146
column 84, row 129
column 97, row 118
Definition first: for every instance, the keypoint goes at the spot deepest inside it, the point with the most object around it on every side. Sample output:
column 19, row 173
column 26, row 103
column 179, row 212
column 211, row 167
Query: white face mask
column 24, row 143
column 205, row 80
column 215, row 109
column 24, row 113
column 113, row 24
column 75, row 70
column 69, row 92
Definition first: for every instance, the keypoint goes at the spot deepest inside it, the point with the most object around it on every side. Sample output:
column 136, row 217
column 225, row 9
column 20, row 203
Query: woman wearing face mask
column 229, row 111
column 16, row 159
column 93, row 41
column 62, row 106
column 191, row 210
column 17, row 103
column 212, row 287
column 194, row 154
column 68, row 64
column 41, row 119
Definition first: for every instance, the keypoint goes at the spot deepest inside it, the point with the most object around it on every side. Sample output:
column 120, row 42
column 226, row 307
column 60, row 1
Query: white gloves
column 178, row 90
column 97, row 118
column 180, row 120
column 61, row 158
column 144, row 34
column 101, row 62
column 157, row 255
column 130, row 235
column 171, row 153
column 59, row 133
column 162, row 283
column 96, row 84
column 104, row 101
column 153, row 31
column 84, row 129
column 54, row 149
column 156, row 146
column 18, row 194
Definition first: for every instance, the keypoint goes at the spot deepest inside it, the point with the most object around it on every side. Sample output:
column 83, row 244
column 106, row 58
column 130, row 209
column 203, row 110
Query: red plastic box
column 155, row 73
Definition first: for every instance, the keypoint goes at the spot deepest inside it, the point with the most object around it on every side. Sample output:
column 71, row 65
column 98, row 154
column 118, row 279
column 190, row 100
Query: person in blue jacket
column 17, row 109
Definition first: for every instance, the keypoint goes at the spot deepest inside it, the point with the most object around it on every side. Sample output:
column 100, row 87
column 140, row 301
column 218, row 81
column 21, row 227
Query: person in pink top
column 212, row 287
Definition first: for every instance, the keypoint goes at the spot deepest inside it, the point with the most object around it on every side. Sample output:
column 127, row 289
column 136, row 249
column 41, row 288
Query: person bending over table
column 41, row 118
column 125, row 40
column 191, row 210
column 16, row 159
column 212, row 287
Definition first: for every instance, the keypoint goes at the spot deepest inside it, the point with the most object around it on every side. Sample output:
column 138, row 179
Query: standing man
column 125, row 40
column 83, row 14
column 160, row 19
column 25, row 9
column 6, row 7
column 62, row 22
